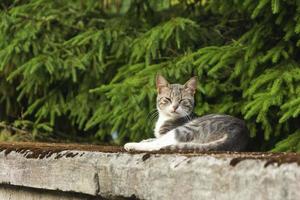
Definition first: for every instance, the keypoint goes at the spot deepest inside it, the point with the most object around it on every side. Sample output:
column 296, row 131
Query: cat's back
column 214, row 119
column 213, row 126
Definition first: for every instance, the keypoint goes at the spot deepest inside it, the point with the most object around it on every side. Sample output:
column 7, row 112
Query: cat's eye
column 166, row 100
column 184, row 102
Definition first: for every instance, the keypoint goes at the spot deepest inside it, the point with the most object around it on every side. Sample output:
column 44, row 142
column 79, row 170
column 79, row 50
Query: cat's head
column 175, row 100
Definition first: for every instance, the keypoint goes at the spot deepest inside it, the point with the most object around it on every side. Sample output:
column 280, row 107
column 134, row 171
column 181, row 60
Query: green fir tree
column 84, row 70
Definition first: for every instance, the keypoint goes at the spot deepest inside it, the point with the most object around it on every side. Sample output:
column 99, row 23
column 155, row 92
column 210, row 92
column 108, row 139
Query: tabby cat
column 178, row 127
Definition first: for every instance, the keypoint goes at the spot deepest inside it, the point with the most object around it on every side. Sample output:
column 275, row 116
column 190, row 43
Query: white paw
column 130, row 146
column 152, row 149
column 146, row 146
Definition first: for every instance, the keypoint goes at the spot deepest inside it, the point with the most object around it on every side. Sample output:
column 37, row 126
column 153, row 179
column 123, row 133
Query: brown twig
column 12, row 128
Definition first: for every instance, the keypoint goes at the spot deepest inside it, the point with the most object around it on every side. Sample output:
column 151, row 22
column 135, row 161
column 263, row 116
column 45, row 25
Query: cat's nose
column 175, row 107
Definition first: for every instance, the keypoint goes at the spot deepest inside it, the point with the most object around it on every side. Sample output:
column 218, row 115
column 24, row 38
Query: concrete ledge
column 110, row 172
column 24, row 193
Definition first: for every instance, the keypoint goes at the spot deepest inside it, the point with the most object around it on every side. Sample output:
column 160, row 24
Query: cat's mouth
column 176, row 113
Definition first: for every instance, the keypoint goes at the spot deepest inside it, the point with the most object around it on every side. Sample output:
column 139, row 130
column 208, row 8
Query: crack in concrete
column 97, row 183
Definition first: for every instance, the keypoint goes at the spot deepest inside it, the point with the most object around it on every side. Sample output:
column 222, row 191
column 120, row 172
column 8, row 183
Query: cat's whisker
column 151, row 122
column 153, row 117
column 151, row 113
column 187, row 116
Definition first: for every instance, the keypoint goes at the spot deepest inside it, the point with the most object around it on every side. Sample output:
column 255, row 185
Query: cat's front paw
column 141, row 146
column 130, row 146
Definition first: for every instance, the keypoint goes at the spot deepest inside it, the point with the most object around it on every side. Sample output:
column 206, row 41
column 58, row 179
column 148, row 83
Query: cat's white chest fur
column 161, row 120
column 164, row 140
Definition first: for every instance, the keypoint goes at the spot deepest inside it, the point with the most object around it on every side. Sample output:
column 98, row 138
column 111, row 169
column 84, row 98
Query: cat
column 179, row 128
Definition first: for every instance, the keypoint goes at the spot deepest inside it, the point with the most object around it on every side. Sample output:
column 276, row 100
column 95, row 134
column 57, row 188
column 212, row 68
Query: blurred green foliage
column 83, row 70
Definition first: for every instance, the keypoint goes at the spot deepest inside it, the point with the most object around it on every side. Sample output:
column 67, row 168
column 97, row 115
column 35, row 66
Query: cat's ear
column 161, row 82
column 191, row 85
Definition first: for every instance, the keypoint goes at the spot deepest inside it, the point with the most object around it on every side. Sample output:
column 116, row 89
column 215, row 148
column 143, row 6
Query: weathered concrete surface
column 154, row 176
column 22, row 193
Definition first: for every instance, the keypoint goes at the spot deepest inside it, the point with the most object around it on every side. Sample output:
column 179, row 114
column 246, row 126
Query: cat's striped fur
column 178, row 128
column 211, row 132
